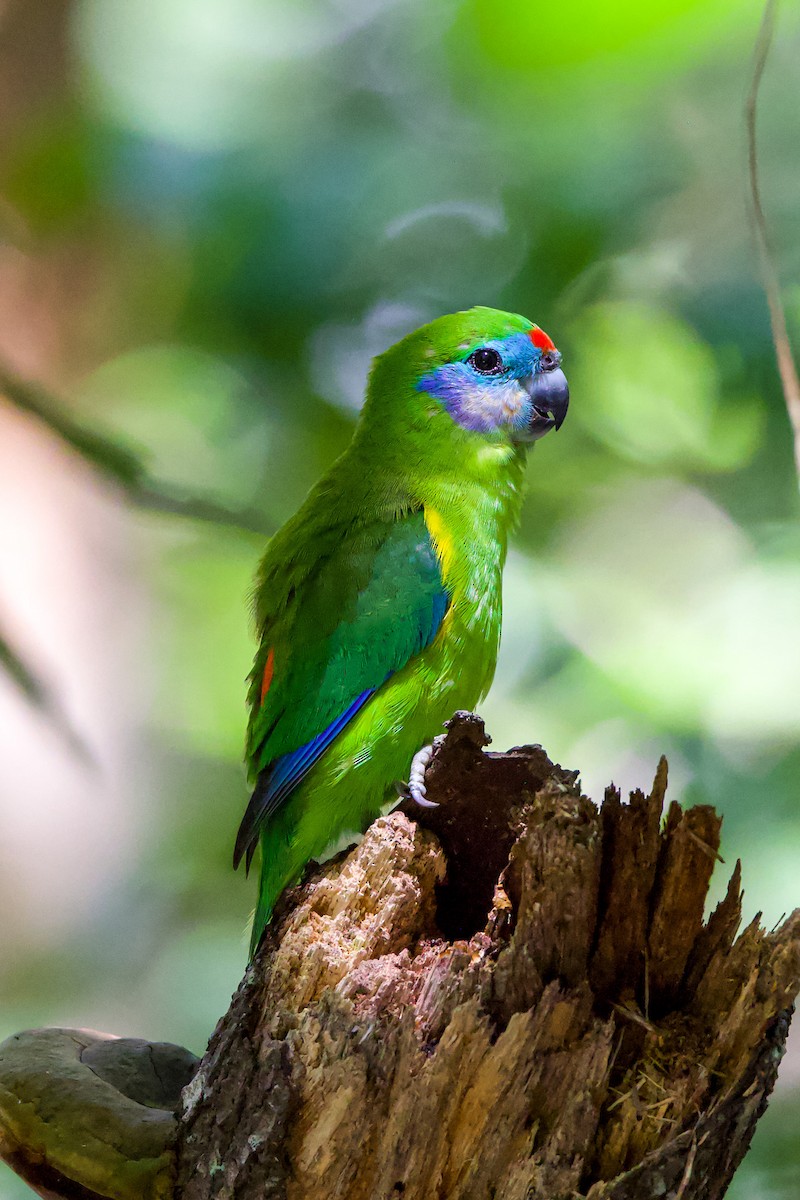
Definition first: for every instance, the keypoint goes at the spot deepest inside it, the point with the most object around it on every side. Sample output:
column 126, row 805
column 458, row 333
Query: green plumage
column 387, row 578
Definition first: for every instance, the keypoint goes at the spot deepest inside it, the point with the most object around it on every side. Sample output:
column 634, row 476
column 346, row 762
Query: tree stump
column 511, row 996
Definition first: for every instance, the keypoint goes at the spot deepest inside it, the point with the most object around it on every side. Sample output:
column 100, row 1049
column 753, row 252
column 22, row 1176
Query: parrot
column 378, row 604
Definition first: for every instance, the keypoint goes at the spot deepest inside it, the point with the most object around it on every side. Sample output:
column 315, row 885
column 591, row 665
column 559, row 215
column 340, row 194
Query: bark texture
column 513, row 996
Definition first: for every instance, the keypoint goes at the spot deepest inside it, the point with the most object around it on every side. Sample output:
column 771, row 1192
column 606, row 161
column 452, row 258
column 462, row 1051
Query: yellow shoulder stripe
column 442, row 541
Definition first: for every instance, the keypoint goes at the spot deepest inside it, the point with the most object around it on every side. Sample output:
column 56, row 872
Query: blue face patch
column 482, row 392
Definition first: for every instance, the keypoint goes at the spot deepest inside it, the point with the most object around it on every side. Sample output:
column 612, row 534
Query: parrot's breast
column 471, row 551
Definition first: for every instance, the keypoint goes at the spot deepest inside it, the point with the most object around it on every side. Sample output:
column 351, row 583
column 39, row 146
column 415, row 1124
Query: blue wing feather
column 277, row 782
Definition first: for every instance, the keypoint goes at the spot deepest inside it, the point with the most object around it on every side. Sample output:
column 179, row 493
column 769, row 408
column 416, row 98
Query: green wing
column 363, row 611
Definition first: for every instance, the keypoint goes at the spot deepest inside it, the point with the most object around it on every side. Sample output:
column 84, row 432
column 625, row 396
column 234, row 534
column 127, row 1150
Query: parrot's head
column 473, row 377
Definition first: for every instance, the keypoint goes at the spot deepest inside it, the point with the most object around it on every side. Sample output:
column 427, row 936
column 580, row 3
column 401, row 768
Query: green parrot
column 378, row 604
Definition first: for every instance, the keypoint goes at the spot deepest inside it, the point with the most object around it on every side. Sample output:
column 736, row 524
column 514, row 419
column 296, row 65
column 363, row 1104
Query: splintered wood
column 513, row 996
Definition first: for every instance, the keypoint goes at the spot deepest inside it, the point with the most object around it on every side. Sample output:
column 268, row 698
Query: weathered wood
column 511, row 996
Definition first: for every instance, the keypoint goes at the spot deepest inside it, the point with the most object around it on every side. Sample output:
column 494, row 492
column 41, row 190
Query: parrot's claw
column 416, row 775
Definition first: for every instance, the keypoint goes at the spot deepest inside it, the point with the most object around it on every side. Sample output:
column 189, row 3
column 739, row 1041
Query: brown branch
column 787, row 368
column 453, row 1011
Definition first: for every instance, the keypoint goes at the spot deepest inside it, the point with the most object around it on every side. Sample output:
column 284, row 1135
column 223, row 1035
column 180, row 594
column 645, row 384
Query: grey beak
column 549, row 391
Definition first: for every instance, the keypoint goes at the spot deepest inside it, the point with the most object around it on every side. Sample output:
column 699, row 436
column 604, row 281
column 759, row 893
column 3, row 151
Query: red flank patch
column 267, row 680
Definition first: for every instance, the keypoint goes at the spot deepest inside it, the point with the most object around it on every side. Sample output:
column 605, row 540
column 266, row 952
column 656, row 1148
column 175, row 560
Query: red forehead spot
column 540, row 339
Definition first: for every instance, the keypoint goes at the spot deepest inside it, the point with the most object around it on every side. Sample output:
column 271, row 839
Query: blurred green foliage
column 234, row 204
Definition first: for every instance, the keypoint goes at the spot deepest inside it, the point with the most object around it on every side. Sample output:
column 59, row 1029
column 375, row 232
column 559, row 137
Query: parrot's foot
column 415, row 789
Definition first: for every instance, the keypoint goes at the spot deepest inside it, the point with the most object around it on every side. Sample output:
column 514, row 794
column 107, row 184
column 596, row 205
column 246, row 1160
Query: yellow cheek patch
column 442, row 540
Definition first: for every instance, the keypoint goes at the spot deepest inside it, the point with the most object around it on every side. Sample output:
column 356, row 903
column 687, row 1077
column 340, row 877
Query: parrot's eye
column 486, row 360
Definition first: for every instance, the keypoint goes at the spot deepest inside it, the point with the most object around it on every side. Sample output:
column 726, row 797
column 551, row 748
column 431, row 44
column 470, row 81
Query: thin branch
column 787, row 368
column 687, row 1173
column 157, row 498
column 125, row 469
column 40, row 696
column 12, row 664
column 121, row 465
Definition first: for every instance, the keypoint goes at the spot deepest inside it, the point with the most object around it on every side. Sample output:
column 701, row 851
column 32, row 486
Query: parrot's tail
column 279, row 869
column 261, row 919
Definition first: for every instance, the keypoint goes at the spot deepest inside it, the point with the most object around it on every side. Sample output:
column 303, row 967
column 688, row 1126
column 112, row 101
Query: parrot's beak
column 549, row 391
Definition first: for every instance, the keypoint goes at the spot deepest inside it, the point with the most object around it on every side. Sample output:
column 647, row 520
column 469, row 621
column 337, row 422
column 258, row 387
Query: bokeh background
column 212, row 214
